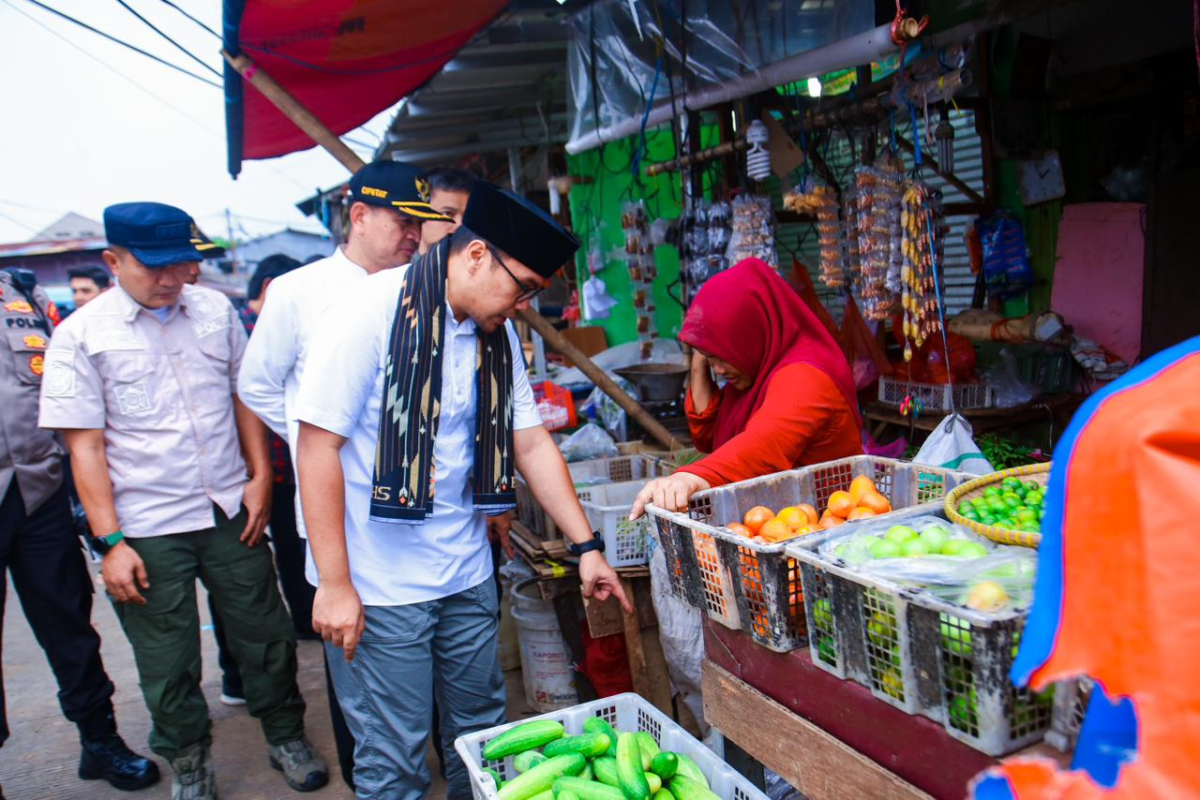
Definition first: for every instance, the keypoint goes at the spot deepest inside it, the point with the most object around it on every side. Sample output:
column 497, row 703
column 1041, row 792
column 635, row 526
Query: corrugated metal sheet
column 801, row 239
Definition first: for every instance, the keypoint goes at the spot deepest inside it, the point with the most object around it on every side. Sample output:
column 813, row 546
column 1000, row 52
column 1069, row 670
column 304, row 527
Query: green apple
column 885, row 548
column 900, row 534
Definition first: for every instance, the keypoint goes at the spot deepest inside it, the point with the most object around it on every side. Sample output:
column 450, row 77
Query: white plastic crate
column 937, row 396
column 586, row 475
column 607, row 507
column 627, row 713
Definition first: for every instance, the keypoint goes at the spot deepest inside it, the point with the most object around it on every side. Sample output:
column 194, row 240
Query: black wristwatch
column 596, row 543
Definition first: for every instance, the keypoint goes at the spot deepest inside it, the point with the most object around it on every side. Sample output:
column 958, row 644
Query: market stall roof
column 344, row 61
column 506, row 88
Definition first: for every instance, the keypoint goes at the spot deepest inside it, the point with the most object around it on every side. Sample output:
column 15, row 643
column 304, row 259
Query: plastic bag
column 612, row 416
column 951, row 446
column 680, row 630
column 985, row 576
column 1005, row 380
column 587, row 443
column 624, row 355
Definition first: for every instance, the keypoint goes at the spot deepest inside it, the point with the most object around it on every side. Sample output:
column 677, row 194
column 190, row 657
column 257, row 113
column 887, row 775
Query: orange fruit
column 829, row 521
column 875, row 501
column 739, row 529
column 862, row 512
column 860, row 486
column 810, row 512
column 803, row 530
column 775, row 530
column 793, row 517
column 841, row 504
column 757, row 517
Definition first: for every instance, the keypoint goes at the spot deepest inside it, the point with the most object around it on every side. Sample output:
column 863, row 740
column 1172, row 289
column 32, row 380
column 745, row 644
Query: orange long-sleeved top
column 803, row 420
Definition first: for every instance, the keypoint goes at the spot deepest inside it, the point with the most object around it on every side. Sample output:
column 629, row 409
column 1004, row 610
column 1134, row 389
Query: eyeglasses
column 527, row 292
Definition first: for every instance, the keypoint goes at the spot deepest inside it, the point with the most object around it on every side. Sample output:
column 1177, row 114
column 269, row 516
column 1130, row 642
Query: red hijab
column 751, row 318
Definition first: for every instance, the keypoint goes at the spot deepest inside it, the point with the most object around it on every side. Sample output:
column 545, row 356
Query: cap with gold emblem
column 397, row 185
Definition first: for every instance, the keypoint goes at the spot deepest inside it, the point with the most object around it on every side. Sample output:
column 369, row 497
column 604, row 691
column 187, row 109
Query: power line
column 31, row 208
column 193, row 19
column 111, row 69
column 161, row 33
column 112, row 38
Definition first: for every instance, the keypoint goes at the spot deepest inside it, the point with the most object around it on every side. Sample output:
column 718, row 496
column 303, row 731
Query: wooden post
column 601, row 379
column 305, row 120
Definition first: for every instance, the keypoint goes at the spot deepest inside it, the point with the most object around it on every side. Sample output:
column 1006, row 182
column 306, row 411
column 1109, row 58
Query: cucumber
column 542, row 777
column 654, row 782
column 567, row 795
column 495, row 777
column 606, row 770
column 585, row 790
column 523, row 762
column 663, row 794
column 665, row 765
column 588, row 774
column 690, row 770
column 685, row 789
column 589, row 745
column 631, row 779
column 524, row 737
column 649, row 748
column 600, row 725
column 546, row 795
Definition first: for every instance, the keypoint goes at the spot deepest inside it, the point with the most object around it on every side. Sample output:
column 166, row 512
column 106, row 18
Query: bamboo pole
column 601, row 379
column 292, row 109
column 308, row 122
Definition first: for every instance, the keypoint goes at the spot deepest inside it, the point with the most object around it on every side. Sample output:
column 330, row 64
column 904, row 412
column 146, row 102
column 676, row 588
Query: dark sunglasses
column 527, row 292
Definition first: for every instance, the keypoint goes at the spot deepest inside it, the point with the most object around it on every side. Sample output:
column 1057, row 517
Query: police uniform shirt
column 30, row 456
column 341, row 391
column 162, row 392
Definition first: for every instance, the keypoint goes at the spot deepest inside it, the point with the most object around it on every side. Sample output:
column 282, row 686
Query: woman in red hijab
column 788, row 399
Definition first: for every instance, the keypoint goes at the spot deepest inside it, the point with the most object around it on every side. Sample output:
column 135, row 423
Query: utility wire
column 193, row 19
column 112, row 38
column 112, row 69
column 161, row 33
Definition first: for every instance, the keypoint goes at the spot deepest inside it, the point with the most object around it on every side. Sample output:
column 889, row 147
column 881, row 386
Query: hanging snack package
column 1006, row 265
column 923, row 226
column 753, row 230
column 879, row 192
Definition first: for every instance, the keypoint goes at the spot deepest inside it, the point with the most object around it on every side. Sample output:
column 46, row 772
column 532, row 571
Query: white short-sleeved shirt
column 342, row 390
column 278, row 351
column 160, row 386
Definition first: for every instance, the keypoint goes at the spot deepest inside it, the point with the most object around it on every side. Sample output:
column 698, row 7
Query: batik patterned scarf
column 403, row 486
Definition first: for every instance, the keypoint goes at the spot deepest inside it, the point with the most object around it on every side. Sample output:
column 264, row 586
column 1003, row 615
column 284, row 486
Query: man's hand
column 670, row 493
column 338, row 616
column 497, row 528
column 256, row 497
column 600, row 580
column 124, row 571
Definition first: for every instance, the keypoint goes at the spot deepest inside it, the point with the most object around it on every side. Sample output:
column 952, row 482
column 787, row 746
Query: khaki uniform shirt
column 30, row 456
column 163, row 394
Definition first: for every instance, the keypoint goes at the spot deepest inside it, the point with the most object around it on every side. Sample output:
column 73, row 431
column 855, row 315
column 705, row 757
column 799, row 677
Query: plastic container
column 510, row 643
column 587, row 475
column 755, row 587
column 607, row 507
column 1070, row 706
column 546, row 666
column 918, row 653
column 937, row 396
column 626, row 712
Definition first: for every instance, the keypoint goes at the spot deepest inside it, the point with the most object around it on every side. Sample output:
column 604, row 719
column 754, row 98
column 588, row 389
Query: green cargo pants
column 165, row 633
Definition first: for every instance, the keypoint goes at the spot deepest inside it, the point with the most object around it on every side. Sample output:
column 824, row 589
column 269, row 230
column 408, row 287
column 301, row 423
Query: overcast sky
column 82, row 130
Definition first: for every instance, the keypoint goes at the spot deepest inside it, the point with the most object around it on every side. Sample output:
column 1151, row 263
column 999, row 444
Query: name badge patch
column 59, row 366
column 104, row 339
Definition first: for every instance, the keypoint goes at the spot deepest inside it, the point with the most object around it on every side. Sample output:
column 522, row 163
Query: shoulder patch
column 59, row 368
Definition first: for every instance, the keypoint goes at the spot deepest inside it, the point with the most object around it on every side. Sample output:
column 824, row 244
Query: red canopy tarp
column 344, row 60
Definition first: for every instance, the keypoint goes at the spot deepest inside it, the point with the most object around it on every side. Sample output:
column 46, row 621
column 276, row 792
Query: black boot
column 105, row 756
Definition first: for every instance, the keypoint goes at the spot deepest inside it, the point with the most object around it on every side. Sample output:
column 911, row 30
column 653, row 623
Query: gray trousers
column 406, row 655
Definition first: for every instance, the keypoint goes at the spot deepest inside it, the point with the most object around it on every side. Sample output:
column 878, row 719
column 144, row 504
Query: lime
column 991, row 491
column 971, row 515
column 1011, row 499
column 881, row 630
column 1003, row 524
column 951, row 547
column 972, row 550
column 955, row 639
column 1026, row 515
column 884, row 548
column 1033, row 486
column 892, row 684
column 987, row 519
column 914, row 548
column 826, row 650
column 935, row 538
column 823, row 614
column 964, row 507
column 900, row 534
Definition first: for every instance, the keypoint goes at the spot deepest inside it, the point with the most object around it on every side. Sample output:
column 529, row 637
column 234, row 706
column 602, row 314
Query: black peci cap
column 519, row 228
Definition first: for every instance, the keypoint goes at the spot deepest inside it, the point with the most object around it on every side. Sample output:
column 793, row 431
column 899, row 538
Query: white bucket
column 545, row 660
column 510, row 645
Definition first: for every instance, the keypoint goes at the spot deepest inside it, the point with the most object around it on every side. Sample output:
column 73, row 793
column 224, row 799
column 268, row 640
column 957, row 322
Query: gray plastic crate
column 919, row 653
column 586, row 475
column 756, row 587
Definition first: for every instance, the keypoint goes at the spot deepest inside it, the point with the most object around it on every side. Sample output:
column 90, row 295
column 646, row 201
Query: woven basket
column 1039, row 473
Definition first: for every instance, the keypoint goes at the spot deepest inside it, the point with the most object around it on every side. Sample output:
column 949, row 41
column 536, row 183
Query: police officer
column 39, row 546
column 175, row 476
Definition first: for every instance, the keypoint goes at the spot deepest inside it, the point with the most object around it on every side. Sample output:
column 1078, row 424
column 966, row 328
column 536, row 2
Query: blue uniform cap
column 157, row 234
column 397, row 185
